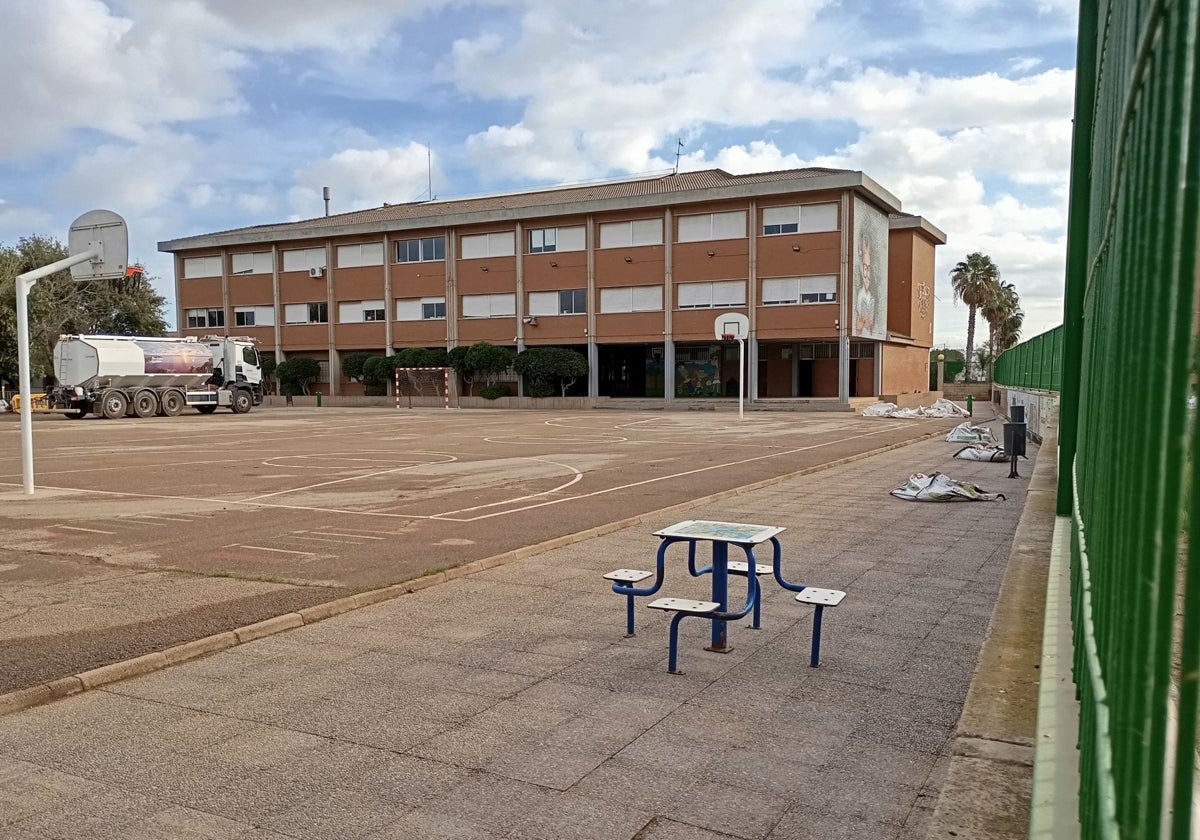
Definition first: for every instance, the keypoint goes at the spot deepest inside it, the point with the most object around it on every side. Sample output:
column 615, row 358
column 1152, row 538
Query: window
column 862, row 350
column 254, row 316
column 306, row 313
column 358, row 311
column 489, row 306
column 258, row 262
column 354, row 256
column 421, row 309
column 250, row 355
column 545, row 240
column 563, row 302
column 628, row 234
column 631, row 299
column 428, row 249
column 804, row 218
column 709, row 295
column 712, row 226
column 489, row 245
column 818, row 288
column 202, row 266
column 302, row 259
column 202, row 318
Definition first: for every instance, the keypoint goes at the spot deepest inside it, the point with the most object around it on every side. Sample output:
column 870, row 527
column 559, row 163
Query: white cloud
column 360, row 178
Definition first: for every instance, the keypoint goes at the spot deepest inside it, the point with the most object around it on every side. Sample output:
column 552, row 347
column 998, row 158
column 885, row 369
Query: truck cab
column 240, row 355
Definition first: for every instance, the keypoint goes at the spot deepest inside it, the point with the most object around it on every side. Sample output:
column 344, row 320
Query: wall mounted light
column 531, row 320
column 712, row 253
column 483, row 268
column 629, row 259
column 795, row 247
column 554, row 265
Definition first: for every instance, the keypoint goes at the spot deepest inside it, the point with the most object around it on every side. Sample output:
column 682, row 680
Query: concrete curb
column 25, row 698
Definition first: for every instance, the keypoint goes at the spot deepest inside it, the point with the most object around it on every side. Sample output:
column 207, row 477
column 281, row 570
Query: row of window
column 803, row 218
column 777, row 291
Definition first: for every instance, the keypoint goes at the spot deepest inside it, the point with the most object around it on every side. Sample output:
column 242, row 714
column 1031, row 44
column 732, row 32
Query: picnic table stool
column 742, row 567
column 627, row 577
column 820, row 598
column 682, row 607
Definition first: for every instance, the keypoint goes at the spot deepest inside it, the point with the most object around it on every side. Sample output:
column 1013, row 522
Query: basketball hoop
column 728, row 337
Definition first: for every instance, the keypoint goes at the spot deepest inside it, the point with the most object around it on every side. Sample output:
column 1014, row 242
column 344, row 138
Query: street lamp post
column 941, row 380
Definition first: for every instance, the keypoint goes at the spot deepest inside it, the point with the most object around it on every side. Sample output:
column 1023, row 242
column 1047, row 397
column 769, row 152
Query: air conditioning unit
column 317, row 272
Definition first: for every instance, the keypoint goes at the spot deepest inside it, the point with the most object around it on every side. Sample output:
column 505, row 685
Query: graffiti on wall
column 870, row 246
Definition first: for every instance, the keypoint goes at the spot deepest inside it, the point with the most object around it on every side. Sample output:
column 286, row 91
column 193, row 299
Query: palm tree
column 1009, row 332
column 996, row 310
column 973, row 281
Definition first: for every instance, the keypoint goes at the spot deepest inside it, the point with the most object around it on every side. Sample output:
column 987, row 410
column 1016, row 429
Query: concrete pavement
column 507, row 704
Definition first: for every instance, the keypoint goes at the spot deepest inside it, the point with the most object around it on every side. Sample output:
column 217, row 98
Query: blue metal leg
column 629, row 616
column 720, row 590
column 673, row 650
column 816, row 639
column 757, row 623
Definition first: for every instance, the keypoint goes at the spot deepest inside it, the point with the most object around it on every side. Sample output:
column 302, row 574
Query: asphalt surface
column 508, row 703
column 144, row 533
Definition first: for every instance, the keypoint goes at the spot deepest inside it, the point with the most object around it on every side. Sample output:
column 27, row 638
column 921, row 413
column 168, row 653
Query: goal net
column 422, row 386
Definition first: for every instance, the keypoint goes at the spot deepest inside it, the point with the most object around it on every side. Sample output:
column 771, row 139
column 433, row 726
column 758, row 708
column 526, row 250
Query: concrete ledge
column 320, row 612
column 36, row 695
column 121, row 670
column 988, row 789
column 269, row 627
column 200, row 647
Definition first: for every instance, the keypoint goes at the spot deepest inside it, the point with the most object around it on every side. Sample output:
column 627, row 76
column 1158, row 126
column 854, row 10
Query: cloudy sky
column 193, row 116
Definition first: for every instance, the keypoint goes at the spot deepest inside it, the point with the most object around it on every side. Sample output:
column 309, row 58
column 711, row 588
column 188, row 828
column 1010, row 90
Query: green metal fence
column 1125, row 427
column 1034, row 364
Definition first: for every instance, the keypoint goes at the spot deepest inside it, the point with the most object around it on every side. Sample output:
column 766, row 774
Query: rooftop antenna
column 678, row 151
column 429, row 168
column 325, row 191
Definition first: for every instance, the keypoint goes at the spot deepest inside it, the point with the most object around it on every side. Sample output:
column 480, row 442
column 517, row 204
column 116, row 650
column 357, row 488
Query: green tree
column 1008, row 332
column 352, row 366
column 481, row 362
column 268, row 364
column 952, row 365
column 974, row 281
column 545, row 368
column 419, row 357
column 58, row 304
column 377, row 372
column 999, row 306
column 295, row 375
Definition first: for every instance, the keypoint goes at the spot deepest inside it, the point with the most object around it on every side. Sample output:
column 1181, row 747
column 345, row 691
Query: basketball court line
column 450, row 460
column 86, row 530
column 446, row 516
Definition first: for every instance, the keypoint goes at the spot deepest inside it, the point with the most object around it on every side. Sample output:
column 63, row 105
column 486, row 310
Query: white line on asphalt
column 338, row 534
column 449, row 460
column 156, row 516
column 264, row 548
column 89, row 530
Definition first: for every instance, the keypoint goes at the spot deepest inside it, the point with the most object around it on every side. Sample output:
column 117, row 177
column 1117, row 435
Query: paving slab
column 509, row 704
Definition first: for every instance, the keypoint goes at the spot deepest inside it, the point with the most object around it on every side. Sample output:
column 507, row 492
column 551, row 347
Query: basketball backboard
column 732, row 324
column 105, row 230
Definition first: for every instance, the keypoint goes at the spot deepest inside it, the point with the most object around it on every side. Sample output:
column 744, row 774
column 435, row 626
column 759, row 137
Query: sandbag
column 939, row 487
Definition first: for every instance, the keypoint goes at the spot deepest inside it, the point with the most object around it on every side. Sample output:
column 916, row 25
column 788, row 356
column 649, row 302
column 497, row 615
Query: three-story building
column 836, row 282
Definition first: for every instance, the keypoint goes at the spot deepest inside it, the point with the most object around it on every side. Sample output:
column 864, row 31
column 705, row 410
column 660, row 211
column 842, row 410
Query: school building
column 836, row 283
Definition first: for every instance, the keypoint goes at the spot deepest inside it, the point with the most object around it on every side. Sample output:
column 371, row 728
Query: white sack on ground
column 966, row 433
column 940, row 408
column 939, row 487
column 981, row 452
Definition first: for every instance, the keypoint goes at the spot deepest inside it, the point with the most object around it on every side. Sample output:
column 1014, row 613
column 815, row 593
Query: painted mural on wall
column 869, row 301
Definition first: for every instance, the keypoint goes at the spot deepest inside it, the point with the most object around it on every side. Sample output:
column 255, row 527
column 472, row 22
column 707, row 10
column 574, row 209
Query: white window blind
column 543, row 303
column 480, row 245
column 626, row 234
column 350, row 312
column 408, row 309
column 773, row 216
column 489, row 306
column 616, row 300
column 780, row 290
column 258, row 262
column 731, row 225
column 729, row 293
column 706, row 295
column 647, row 298
column 353, row 256
column 295, row 313
column 202, row 266
column 815, row 218
column 571, row 238
column 302, row 259
column 695, row 295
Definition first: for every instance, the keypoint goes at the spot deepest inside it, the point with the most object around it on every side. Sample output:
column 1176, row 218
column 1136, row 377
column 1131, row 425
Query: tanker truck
column 115, row 376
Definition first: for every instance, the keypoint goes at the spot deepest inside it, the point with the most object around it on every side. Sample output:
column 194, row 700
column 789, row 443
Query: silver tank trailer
column 94, row 361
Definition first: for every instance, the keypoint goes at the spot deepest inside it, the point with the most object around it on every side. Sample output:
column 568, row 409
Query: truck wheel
column 113, row 404
column 206, row 409
column 145, row 403
column 242, row 401
column 172, row 404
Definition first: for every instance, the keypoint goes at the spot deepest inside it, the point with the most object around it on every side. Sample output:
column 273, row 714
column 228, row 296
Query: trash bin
column 289, row 399
column 318, row 399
